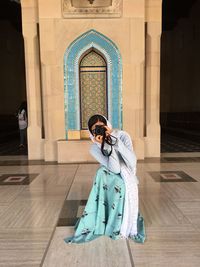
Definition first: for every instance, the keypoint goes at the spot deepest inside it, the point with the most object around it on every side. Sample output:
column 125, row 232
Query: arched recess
column 93, row 86
column 72, row 57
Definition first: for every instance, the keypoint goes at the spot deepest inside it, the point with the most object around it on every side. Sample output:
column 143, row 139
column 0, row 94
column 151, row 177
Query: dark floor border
column 146, row 160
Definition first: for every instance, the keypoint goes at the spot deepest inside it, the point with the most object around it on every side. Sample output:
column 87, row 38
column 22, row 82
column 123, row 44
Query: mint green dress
column 103, row 213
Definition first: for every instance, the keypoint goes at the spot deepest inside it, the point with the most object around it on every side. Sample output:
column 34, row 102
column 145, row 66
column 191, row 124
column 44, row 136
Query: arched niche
column 91, row 40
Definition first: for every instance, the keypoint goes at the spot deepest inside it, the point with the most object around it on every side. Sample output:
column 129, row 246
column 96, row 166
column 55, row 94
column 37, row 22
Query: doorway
column 12, row 76
column 179, row 86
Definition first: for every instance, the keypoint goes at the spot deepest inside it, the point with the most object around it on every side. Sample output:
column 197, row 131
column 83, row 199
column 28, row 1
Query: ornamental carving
column 91, row 8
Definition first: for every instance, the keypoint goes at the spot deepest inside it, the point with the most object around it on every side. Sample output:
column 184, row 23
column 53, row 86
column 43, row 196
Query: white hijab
column 92, row 136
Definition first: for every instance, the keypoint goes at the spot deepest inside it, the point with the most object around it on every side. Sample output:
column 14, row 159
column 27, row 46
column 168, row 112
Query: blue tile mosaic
column 72, row 55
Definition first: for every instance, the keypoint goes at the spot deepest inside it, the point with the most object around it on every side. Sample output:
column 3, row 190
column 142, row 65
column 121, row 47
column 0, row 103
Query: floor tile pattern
column 17, row 179
column 171, row 176
column 30, row 213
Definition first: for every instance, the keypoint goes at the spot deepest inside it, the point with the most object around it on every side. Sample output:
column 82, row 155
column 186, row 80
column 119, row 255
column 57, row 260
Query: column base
column 152, row 146
column 138, row 146
column 50, row 151
column 74, row 151
column 35, row 144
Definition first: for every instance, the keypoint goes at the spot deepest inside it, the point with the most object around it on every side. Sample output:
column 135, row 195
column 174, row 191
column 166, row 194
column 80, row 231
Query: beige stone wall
column 128, row 33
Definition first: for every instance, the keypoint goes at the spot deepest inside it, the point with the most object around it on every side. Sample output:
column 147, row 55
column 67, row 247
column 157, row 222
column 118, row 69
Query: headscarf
column 92, row 136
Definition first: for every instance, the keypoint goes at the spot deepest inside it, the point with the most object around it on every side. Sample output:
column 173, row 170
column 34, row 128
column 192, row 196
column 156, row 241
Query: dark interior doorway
column 180, row 79
column 12, row 76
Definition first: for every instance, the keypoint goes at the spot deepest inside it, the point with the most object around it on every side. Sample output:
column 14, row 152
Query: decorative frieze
column 91, row 8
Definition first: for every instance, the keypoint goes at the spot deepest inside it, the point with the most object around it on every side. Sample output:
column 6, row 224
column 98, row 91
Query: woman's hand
column 99, row 138
column 108, row 130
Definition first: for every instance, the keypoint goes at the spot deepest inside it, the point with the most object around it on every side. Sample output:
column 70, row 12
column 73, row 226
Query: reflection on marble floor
column 29, row 214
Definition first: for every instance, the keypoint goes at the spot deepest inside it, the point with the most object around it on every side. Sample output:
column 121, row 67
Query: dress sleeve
column 125, row 148
column 111, row 163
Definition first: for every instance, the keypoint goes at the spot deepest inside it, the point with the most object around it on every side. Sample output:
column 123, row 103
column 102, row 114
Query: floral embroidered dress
column 112, row 206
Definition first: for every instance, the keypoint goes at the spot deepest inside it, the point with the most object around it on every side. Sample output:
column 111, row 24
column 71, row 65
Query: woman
column 112, row 207
column 22, row 122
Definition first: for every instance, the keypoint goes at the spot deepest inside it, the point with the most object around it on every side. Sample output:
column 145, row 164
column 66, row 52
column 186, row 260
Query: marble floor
column 40, row 202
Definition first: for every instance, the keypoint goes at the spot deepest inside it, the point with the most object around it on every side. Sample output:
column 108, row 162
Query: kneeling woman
column 112, row 206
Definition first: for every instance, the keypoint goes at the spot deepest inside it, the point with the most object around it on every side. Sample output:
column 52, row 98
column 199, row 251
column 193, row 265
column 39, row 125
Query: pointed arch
column 72, row 56
column 93, row 86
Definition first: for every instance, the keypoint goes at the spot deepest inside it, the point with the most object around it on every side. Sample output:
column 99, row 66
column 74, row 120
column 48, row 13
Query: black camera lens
column 99, row 130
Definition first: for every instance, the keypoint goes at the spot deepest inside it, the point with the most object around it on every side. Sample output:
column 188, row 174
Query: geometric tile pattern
column 14, row 179
column 93, row 95
column 17, row 179
column 171, row 176
column 80, row 46
column 92, row 59
column 92, row 87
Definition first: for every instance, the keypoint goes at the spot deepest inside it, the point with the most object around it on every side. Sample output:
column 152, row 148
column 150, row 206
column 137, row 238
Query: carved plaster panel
column 91, row 3
column 91, row 8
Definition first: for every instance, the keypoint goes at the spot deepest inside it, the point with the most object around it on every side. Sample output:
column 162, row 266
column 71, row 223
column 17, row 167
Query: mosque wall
column 49, row 30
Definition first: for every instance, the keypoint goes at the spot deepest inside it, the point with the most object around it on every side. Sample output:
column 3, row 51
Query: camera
column 99, row 130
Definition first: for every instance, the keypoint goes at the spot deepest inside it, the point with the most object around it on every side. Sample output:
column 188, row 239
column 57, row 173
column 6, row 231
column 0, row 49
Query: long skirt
column 103, row 212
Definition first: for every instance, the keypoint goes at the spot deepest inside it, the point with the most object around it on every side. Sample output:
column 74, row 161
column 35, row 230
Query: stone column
column 53, row 93
column 32, row 61
column 135, row 94
column 152, row 139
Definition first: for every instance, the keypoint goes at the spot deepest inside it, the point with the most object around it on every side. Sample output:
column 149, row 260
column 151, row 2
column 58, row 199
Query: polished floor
column 39, row 204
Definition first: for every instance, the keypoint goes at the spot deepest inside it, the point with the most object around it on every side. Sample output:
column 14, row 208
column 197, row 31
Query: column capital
column 29, row 30
column 153, row 10
column 154, row 29
column 29, row 11
column 29, row 3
